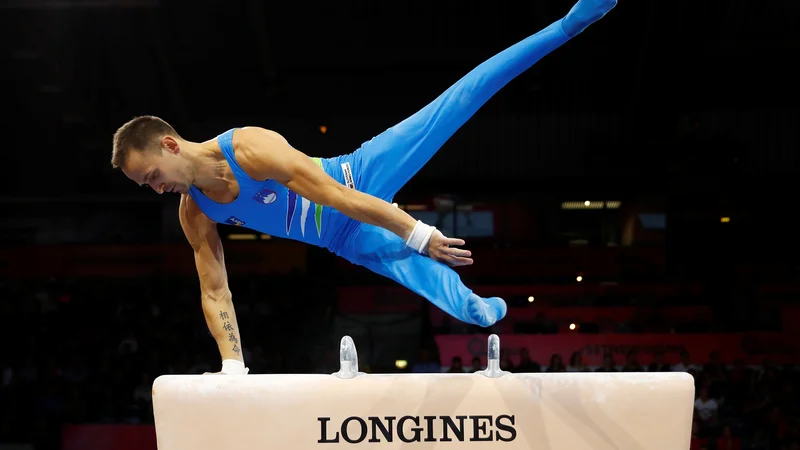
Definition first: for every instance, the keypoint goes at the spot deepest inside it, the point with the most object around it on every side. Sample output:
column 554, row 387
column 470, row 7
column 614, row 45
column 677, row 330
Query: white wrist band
column 420, row 236
column 234, row 367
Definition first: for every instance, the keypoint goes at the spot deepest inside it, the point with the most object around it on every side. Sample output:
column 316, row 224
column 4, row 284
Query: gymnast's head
column 151, row 153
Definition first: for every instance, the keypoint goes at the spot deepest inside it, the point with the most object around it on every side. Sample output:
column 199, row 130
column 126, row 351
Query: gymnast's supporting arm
column 215, row 294
column 264, row 154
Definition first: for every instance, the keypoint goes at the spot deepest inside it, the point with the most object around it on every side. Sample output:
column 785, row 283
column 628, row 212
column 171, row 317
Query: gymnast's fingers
column 453, row 241
column 455, row 261
column 458, row 252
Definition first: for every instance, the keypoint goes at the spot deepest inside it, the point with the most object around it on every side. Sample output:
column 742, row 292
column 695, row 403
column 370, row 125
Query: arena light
column 591, row 204
column 242, row 237
column 530, row 299
column 401, row 364
column 724, row 219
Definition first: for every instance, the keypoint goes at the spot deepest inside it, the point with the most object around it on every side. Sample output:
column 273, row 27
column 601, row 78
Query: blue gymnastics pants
column 385, row 164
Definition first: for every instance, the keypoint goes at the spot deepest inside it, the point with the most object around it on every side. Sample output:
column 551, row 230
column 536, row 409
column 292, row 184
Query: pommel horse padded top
column 485, row 410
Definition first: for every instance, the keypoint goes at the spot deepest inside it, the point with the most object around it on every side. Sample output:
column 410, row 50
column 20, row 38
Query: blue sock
column 585, row 13
column 483, row 312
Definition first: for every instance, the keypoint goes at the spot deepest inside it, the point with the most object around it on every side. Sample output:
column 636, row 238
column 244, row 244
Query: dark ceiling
column 618, row 97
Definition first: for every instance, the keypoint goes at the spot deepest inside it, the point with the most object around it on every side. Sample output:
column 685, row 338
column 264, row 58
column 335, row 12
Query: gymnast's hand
column 439, row 249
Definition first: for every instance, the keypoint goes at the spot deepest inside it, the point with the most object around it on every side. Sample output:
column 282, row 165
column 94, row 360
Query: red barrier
column 605, row 318
column 139, row 260
column 594, row 263
column 108, row 437
column 398, row 299
column 781, row 348
column 377, row 300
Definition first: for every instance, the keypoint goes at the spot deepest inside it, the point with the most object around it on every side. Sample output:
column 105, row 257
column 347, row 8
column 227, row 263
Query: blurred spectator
column 328, row 364
column 76, row 371
column 505, row 361
column 608, row 364
column 697, row 441
column 706, row 408
column 526, row 364
column 425, row 364
column 685, row 364
column 713, row 369
column 129, row 345
column 576, row 363
column 456, row 365
column 658, row 364
column 556, row 364
column 632, row 363
column 727, row 441
column 476, row 364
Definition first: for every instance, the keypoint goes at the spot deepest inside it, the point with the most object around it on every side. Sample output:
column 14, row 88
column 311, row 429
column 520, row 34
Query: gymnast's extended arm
column 264, row 154
column 215, row 294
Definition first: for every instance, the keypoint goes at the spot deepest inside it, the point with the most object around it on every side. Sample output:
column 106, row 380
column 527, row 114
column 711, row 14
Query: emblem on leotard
column 305, row 206
column 234, row 221
column 265, row 196
column 291, row 205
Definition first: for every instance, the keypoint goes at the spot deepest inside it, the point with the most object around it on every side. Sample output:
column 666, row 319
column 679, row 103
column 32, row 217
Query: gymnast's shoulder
column 264, row 153
column 248, row 138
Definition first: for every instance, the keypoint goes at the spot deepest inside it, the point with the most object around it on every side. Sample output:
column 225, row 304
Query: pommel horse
column 488, row 409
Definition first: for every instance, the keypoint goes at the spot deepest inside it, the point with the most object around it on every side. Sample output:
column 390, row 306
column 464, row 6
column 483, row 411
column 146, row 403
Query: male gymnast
column 253, row 178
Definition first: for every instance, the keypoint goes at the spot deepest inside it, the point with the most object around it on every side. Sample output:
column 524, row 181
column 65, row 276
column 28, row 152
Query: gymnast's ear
column 170, row 144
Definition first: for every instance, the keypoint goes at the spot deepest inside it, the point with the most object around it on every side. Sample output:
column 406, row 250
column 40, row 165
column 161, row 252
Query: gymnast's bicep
column 201, row 232
column 264, row 154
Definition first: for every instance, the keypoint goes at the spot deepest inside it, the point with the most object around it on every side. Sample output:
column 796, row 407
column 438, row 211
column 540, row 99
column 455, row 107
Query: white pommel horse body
column 491, row 409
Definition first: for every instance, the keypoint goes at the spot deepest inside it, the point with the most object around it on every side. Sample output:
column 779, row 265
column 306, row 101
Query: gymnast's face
column 164, row 169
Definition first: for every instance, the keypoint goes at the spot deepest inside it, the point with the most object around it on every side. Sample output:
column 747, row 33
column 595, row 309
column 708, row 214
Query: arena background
column 631, row 196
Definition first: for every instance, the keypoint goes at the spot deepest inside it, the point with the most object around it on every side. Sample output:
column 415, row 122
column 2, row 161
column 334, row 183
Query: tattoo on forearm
column 223, row 315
